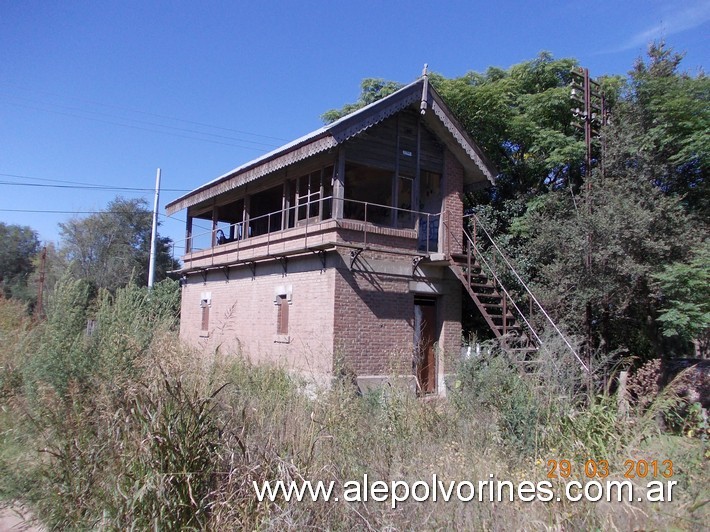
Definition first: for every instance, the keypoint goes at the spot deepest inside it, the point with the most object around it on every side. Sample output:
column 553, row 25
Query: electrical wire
column 144, row 122
column 91, row 187
column 86, row 184
column 46, row 211
column 140, row 128
column 139, row 111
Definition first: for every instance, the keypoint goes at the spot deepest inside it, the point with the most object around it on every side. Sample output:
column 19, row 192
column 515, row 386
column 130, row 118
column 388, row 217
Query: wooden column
column 215, row 220
column 245, row 217
column 339, row 186
column 188, row 234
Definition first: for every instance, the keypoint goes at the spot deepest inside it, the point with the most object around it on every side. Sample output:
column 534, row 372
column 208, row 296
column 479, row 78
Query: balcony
column 311, row 227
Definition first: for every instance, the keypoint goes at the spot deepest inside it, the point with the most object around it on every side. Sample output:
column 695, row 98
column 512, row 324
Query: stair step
column 484, row 290
column 479, row 285
column 489, row 296
column 509, row 318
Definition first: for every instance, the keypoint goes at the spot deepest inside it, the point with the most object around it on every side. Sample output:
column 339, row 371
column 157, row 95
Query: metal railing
column 472, row 238
column 370, row 215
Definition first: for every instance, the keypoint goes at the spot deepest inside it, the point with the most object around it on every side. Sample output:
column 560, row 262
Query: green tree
column 631, row 231
column 19, row 246
column 685, row 299
column 522, row 119
column 112, row 247
column 371, row 90
column 660, row 128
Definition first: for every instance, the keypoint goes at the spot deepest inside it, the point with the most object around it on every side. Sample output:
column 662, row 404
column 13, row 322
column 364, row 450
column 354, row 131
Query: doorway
column 425, row 339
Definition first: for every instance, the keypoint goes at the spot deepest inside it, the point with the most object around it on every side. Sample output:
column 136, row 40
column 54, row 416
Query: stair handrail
column 499, row 283
column 523, row 284
column 502, row 287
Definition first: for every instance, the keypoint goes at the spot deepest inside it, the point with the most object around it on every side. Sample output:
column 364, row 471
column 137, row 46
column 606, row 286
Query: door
column 425, row 337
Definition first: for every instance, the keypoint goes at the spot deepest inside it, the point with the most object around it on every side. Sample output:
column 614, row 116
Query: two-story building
column 331, row 253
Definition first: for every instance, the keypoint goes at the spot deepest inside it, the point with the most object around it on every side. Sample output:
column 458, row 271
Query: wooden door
column 425, row 337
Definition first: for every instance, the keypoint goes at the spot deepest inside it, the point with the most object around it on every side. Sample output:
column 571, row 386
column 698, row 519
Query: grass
column 138, row 432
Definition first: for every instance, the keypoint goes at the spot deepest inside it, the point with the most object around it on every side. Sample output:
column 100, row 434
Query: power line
column 41, row 211
column 45, row 179
column 138, row 111
column 44, row 211
column 80, row 110
column 90, row 187
column 131, row 126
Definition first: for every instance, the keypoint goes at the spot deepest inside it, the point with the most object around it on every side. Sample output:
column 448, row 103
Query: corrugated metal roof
column 325, row 138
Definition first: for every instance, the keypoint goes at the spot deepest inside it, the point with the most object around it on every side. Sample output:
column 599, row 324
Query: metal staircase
column 492, row 304
column 480, row 277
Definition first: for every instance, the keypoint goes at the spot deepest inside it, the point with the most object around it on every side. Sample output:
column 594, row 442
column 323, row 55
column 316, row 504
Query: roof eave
column 469, row 154
column 310, row 144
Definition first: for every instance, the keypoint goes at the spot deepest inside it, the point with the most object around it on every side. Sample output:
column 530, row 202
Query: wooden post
column 188, row 234
column 40, row 287
column 215, row 221
column 245, row 216
column 622, row 400
column 339, row 186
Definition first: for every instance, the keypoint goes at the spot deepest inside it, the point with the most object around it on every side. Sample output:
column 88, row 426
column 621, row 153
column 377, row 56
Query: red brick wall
column 374, row 318
column 243, row 316
column 361, row 318
column 453, row 204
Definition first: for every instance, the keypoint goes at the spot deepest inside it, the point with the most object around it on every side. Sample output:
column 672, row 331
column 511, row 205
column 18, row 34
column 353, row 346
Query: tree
column 660, row 128
column 685, row 299
column 648, row 208
column 112, row 247
column 19, row 246
column 632, row 231
column 521, row 117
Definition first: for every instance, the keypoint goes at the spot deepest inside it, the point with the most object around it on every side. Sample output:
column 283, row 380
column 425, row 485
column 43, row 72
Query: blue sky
column 106, row 92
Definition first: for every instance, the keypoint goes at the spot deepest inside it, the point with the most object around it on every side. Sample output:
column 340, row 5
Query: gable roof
column 477, row 168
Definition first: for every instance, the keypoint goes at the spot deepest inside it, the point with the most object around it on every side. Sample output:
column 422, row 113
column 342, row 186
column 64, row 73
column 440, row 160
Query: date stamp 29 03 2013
column 600, row 469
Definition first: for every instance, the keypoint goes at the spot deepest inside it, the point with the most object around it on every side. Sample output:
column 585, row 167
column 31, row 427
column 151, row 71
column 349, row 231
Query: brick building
column 332, row 252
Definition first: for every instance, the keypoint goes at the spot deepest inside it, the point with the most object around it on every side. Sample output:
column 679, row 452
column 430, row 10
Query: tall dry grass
column 138, row 432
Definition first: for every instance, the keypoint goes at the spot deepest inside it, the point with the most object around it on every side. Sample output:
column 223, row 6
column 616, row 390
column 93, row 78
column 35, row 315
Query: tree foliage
column 521, row 117
column 19, row 245
column 660, row 128
column 685, row 298
column 631, row 231
column 371, row 90
column 112, row 247
column 641, row 221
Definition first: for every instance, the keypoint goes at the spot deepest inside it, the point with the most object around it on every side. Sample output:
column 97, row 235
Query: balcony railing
column 308, row 217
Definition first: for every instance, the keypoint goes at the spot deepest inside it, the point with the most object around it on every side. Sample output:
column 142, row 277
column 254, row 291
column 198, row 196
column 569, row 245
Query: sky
column 95, row 96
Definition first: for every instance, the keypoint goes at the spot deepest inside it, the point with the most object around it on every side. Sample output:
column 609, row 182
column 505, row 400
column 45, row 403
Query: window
column 372, row 186
column 282, row 300
column 282, row 316
column 309, row 195
column 205, row 304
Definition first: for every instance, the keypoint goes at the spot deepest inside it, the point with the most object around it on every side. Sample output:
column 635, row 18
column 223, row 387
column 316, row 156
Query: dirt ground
column 15, row 518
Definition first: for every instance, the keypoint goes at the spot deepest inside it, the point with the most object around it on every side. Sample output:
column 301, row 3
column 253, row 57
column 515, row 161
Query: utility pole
column 40, row 286
column 154, row 233
column 591, row 111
